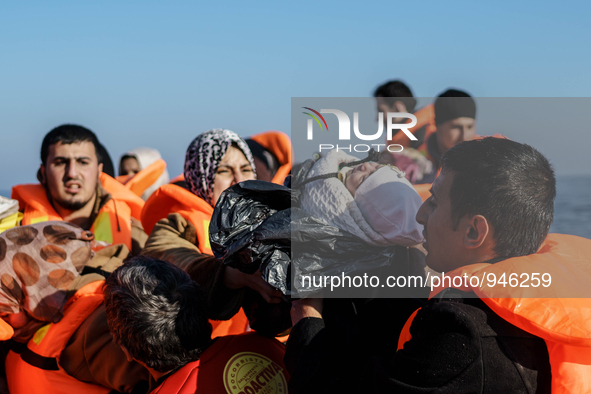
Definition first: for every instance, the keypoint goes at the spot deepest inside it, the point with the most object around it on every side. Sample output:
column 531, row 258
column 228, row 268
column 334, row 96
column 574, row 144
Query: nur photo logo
column 394, row 121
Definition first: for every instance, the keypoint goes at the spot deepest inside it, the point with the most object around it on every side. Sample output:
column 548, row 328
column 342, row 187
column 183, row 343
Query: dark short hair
column 69, row 134
column 511, row 184
column 157, row 312
column 396, row 90
column 452, row 104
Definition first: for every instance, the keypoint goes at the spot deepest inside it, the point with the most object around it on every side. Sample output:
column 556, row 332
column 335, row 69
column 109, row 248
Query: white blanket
column 330, row 201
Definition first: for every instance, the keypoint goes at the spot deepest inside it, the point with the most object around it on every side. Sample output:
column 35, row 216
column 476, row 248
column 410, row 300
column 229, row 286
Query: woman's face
column 233, row 168
column 358, row 174
column 129, row 166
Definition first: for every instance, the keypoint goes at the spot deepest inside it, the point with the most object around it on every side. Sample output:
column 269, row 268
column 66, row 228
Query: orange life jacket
column 238, row 324
column 41, row 372
column 247, row 363
column 563, row 323
column 178, row 178
column 145, row 178
column 279, row 144
column 121, row 193
column 174, row 199
column 113, row 223
column 425, row 117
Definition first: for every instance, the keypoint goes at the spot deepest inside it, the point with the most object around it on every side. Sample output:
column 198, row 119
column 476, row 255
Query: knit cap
column 389, row 203
column 453, row 104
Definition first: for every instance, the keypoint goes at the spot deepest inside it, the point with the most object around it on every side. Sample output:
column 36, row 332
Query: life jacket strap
column 38, row 361
column 16, row 347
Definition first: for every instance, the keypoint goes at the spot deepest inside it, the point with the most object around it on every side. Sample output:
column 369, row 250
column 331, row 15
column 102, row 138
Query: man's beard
column 73, row 205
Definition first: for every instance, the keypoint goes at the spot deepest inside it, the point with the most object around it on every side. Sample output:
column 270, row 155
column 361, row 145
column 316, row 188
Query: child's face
column 358, row 174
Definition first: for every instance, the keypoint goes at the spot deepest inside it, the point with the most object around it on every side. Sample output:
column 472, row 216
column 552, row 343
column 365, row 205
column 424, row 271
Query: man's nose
column 421, row 217
column 71, row 170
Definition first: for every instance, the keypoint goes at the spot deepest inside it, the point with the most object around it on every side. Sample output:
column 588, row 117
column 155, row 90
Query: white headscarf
column 145, row 157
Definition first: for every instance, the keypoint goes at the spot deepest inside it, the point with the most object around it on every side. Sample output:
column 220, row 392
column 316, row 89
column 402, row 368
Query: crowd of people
column 110, row 283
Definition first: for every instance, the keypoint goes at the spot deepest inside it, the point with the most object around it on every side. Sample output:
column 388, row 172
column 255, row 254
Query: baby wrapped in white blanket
column 374, row 202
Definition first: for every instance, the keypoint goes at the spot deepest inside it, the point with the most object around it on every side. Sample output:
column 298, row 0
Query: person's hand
column 235, row 279
column 306, row 307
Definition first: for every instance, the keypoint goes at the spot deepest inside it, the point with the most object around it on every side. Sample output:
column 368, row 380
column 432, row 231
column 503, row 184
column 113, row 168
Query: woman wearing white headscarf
column 143, row 159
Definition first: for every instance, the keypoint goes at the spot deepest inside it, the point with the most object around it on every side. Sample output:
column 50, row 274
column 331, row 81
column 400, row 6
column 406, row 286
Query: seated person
column 455, row 120
column 143, row 171
column 178, row 222
column 158, row 316
column 489, row 213
column 52, row 313
column 396, row 96
column 74, row 189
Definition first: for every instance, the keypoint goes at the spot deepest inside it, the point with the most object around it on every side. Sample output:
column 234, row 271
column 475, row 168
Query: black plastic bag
column 254, row 226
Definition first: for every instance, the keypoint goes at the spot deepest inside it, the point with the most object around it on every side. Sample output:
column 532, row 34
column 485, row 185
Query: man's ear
column 399, row 106
column 477, row 231
column 41, row 174
column 98, row 176
column 129, row 358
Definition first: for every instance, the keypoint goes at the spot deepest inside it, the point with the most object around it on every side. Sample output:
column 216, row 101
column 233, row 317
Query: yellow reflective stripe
column 102, row 228
column 206, row 232
column 40, row 334
column 39, row 219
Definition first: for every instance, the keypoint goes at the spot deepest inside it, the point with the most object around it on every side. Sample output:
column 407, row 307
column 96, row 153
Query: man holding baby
column 490, row 209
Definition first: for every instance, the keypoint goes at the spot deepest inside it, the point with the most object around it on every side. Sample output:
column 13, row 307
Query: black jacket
column 458, row 345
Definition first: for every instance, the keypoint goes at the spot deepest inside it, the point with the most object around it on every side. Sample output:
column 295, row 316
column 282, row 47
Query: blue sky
column 159, row 73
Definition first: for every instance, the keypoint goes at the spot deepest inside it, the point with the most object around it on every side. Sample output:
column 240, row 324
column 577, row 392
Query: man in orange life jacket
column 396, row 96
column 158, row 316
column 455, row 118
column 74, row 189
column 455, row 122
column 493, row 201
